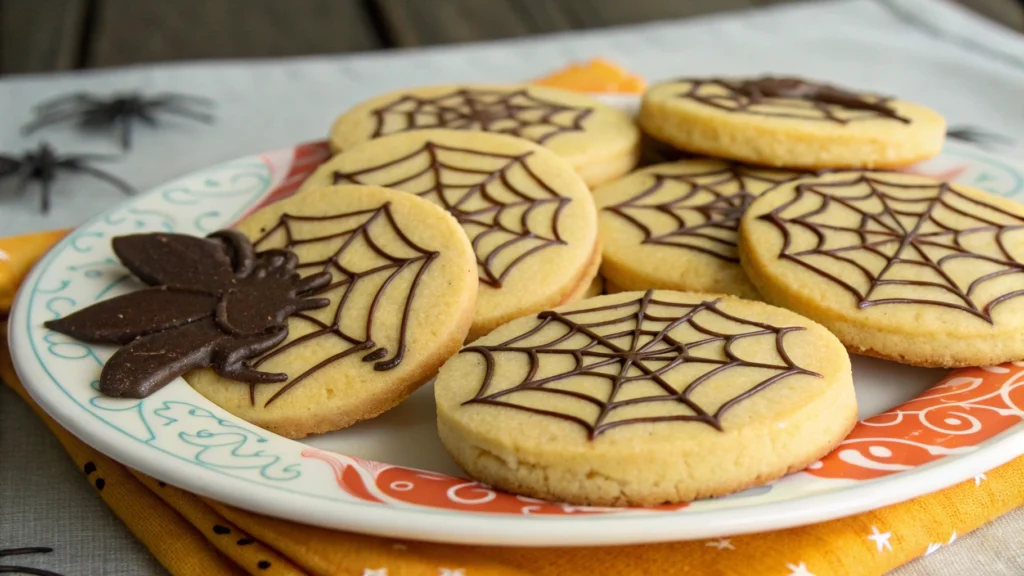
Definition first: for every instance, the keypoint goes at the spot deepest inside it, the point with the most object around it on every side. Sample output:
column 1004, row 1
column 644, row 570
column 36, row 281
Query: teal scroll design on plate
column 993, row 175
column 222, row 444
column 238, row 179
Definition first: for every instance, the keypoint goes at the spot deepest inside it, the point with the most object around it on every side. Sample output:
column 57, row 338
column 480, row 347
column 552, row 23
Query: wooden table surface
column 53, row 35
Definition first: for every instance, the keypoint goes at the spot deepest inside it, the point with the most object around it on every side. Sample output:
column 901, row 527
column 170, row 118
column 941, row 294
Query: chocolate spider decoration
column 212, row 302
column 92, row 112
column 43, row 164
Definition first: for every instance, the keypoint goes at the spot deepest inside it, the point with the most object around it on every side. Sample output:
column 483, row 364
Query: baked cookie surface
column 598, row 141
column 898, row 266
column 673, row 225
column 790, row 123
column 402, row 288
column 641, row 398
column 530, row 218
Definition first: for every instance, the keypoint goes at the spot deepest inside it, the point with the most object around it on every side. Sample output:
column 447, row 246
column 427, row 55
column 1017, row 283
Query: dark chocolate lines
column 791, row 98
column 703, row 226
column 928, row 207
column 345, row 278
column 479, row 222
column 642, row 318
column 518, row 113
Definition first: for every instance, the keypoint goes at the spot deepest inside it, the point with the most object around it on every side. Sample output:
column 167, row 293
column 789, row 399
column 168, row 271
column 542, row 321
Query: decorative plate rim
column 837, row 497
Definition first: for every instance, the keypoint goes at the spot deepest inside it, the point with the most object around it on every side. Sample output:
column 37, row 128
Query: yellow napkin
column 193, row 536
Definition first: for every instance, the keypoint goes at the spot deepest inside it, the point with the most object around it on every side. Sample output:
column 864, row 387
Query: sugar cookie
column 642, row 398
column 402, row 288
column 673, row 225
column 791, row 123
column 598, row 141
column 898, row 266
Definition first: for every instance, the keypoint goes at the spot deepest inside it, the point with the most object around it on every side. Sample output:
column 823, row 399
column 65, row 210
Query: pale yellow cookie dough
column 631, row 399
column 531, row 219
column 598, row 141
column 673, row 225
column 898, row 266
column 402, row 299
column 709, row 117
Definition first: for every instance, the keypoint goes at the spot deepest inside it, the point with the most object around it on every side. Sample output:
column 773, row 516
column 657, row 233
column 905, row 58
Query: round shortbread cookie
column 642, row 398
column 673, row 226
column 898, row 266
column 598, row 141
column 401, row 295
column 531, row 219
column 791, row 123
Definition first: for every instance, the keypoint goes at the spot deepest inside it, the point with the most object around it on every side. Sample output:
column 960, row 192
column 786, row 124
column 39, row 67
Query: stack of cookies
column 736, row 281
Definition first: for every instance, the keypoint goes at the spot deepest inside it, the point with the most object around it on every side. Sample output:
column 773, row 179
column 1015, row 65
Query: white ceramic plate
column 390, row 476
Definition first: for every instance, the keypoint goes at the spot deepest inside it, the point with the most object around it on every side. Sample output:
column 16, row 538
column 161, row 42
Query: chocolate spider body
column 212, row 303
column 91, row 112
column 44, row 164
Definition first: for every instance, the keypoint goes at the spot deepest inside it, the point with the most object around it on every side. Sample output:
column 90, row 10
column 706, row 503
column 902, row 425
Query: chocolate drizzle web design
column 499, row 216
column 639, row 344
column 790, row 98
column 369, row 225
column 894, row 229
column 705, row 206
column 517, row 112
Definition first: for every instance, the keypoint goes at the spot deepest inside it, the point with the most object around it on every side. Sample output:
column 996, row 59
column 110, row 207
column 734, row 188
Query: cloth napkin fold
column 195, row 536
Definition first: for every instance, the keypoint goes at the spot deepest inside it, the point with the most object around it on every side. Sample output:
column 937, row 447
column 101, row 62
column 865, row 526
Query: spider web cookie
column 397, row 294
column 640, row 398
column 611, row 364
column 516, row 112
column 888, row 242
column 507, row 211
column 351, row 329
column 696, row 205
column 789, row 98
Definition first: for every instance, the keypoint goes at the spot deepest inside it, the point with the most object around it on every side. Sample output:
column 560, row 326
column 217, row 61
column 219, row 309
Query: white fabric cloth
column 923, row 50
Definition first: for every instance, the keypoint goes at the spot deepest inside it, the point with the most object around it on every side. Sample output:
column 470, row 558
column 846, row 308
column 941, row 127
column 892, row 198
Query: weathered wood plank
column 40, row 35
column 1007, row 12
column 419, row 23
column 599, row 13
column 131, row 31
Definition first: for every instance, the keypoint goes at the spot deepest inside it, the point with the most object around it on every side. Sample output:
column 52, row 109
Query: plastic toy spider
column 43, row 164
column 978, row 136
column 93, row 112
column 7, row 569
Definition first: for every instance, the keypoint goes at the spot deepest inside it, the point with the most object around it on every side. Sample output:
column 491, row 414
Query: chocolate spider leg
column 100, row 174
column 49, row 118
column 230, row 358
column 203, row 117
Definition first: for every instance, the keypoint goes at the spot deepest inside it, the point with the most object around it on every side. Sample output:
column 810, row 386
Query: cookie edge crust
column 712, row 133
column 544, row 476
column 903, row 346
column 487, row 456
